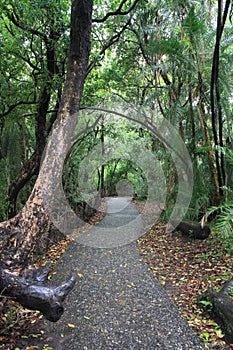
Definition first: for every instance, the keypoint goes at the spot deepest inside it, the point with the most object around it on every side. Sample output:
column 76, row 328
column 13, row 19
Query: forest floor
column 186, row 269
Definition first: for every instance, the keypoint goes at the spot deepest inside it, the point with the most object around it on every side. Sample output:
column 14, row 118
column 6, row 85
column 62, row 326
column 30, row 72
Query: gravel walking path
column 117, row 303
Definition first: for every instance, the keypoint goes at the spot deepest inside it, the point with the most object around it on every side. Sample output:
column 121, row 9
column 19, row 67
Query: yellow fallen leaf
column 211, row 323
column 80, row 275
column 71, row 325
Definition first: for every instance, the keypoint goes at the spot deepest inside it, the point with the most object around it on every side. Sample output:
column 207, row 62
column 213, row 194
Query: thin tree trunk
column 111, row 177
column 215, row 98
column 192, row 121
column 215, row 198
column 102, row 184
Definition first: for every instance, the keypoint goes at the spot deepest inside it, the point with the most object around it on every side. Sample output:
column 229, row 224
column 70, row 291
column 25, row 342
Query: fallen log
column 18, row 279
column 222, row 308
column 29, row 290
column 196, row 231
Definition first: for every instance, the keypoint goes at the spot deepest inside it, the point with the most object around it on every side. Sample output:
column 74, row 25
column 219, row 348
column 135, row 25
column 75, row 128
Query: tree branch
column 14, row 18
column 31, row 293
column 11, row 108
column 112, row 41
column 118, row 12
column 143, row 51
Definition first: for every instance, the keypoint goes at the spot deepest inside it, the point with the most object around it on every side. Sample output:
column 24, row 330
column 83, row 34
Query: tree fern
column 224, row 221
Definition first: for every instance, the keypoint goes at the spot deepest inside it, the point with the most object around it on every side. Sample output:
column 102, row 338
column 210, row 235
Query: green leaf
column 205, row 335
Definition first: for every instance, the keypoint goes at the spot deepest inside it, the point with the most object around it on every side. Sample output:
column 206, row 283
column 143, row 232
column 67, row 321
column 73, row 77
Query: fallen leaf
column 71, row 325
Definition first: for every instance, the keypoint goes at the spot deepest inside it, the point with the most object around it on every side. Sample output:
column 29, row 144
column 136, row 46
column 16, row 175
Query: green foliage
column 224, row 221
column 223, row 214
column 120, row 166
column 30, row 31
column 156, row 61
column 206, row 303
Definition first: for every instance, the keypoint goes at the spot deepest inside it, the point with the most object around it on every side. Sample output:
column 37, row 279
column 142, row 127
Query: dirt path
column 117, row 303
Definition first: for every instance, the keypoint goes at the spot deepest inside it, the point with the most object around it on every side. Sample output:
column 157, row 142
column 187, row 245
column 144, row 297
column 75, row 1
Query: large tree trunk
column 20, row 234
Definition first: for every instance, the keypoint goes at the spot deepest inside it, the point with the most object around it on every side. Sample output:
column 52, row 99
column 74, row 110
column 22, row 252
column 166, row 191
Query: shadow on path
column 117, row 303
